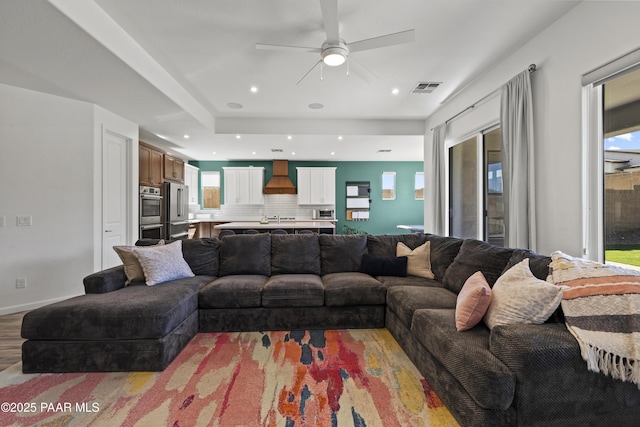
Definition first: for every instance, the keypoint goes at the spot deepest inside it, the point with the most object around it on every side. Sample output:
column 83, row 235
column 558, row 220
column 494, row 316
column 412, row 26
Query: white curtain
column 438, row 178
column 516, row 122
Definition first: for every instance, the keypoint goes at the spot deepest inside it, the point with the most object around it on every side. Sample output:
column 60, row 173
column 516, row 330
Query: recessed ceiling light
column 254, row 89
column 253, row 153
column 339, row 137
column 316, row 106
column 293, row 153
column 289, row 137
column 186, row 137
column 214, row 153
column 238, row 136
column 395, row 91
column 333, row 153
column 235, row 105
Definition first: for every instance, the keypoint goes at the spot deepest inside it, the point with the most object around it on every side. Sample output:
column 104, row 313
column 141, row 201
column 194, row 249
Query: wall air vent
column 425, row 87
column 276, row 150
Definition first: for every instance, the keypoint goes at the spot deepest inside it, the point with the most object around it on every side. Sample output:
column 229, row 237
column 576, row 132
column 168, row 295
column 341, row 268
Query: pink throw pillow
column 473, row 301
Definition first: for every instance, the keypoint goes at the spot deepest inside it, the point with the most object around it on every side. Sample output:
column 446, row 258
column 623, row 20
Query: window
column 210, row 189
column 388, row 185
column 419, row 186
column 611, row 143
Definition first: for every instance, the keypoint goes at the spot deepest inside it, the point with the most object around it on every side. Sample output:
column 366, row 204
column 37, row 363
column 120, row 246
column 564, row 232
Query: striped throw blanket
column 601, row 304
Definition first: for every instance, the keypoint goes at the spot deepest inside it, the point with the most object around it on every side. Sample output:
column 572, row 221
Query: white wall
column 50, row 169
column 46, row 171
column 587, row 37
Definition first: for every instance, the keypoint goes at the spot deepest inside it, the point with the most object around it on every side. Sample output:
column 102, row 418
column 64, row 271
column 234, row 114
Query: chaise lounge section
column 511, row 374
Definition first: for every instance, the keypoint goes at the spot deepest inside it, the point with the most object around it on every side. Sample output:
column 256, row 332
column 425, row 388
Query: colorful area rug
column 299, row 378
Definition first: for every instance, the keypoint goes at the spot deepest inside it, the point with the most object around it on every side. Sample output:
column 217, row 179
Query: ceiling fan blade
column 361, row 71
column 383, row 41
column 307, row 73
column 302, row 49
column 331, row 20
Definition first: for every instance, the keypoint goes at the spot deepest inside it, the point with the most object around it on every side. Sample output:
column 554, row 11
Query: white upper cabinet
column 243, row 185
column 316, row 186
column 191, row 181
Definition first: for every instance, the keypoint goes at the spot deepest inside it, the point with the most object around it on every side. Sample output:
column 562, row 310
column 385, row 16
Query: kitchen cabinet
column 191, row 181
column 150, row 165
column 243, row 185
column 316, row 186
column 173, row 169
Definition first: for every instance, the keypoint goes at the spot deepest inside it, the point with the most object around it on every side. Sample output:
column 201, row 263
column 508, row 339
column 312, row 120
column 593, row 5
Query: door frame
column 129, row 132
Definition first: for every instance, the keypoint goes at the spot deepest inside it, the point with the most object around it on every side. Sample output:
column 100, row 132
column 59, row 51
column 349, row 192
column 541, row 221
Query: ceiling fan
column 335, row 51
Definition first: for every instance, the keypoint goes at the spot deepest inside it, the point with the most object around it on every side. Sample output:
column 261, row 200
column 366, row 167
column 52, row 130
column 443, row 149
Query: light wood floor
column 10, row 340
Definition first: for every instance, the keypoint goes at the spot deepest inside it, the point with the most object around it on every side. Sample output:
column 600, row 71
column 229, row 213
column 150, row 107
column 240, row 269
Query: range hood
column 280, row 182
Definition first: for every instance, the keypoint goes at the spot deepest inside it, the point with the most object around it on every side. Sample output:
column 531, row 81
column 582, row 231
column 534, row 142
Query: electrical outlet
column 21, row 282
column 24, row 221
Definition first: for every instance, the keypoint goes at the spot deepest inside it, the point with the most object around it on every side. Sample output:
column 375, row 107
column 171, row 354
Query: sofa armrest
column 552, row 380
column 104, row 281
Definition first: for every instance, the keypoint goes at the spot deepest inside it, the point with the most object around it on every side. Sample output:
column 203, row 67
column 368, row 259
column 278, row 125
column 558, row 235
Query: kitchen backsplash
column 284, row 205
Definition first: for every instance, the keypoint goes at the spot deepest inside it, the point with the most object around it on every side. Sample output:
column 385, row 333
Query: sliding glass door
column 475, row 188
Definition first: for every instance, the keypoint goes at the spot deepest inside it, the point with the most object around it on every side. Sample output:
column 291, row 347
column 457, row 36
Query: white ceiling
column 174, row 67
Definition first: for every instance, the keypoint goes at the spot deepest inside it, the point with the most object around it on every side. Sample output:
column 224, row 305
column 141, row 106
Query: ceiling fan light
column 334, row 55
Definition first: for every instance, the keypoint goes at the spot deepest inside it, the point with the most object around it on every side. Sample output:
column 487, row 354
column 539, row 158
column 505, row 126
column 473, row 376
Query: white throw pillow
column 163, row 263
column 520, row 297
column 132, row 267
column 418, row 259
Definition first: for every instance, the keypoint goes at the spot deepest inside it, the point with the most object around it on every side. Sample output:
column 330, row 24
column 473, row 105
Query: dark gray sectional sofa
column 511, row 375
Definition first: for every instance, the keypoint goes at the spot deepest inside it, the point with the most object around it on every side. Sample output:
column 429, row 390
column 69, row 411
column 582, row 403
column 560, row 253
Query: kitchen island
column 291, row 227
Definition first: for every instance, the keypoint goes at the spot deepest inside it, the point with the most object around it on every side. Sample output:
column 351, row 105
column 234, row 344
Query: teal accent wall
column 385, row 215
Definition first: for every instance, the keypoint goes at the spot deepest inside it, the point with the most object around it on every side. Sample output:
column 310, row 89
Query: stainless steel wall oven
column 151, row 208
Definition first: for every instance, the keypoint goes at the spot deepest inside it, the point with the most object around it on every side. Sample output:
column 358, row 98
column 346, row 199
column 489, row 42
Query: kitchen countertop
column 256, row 225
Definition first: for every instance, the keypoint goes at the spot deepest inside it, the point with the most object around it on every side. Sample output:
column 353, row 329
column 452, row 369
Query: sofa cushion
column 134, row 312
column 384, row 266
column 391, row 281
column 341, row 253
column 293, row 290
column 418, row 259
column 295, row 254
column 202, row 255
column 539, row 264
column 476, row 255
column 520, row 297
column 466, row 357
column 385, row 245
column 473, row 301
column 246, row 254
column 352, row 288
column 234, row 291
column 443, row 251
column 405, row 300
column 162, row 263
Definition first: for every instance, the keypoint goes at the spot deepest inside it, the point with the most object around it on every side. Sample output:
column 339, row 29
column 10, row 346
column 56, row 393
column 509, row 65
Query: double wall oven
column 151, row 207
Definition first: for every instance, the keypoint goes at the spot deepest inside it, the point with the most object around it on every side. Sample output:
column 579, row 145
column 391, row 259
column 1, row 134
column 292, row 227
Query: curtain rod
column 531, row 68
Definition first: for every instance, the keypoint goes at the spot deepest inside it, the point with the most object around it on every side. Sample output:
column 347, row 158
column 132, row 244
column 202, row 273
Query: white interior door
column 114, row 196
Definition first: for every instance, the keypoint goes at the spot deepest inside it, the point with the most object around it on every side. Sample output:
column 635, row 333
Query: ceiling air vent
column 426, row 87
column 384, row 150
column 276, row 150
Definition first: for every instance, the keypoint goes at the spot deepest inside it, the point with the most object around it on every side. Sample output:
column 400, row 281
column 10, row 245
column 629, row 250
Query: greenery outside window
column 419, row 186
column 210, row 189
column 388, row 185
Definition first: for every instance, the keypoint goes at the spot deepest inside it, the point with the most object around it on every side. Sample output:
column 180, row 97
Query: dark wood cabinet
column 150, row 165
column 173, row 169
